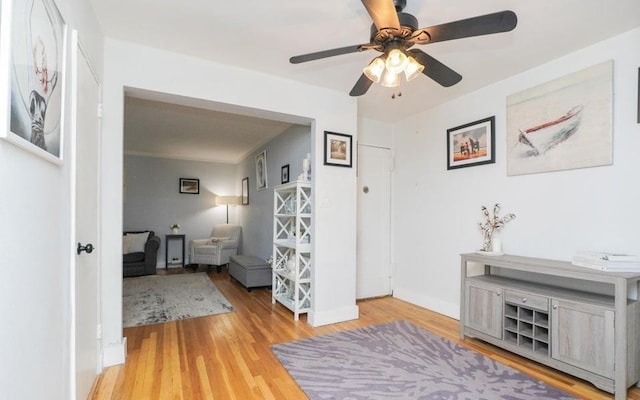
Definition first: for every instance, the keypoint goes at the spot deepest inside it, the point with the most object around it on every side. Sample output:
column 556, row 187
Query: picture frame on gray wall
column 284, row 174
column 245, row 191
column 190, row 185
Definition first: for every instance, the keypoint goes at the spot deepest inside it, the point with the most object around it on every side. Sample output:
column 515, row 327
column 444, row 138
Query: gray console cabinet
column 581, row 321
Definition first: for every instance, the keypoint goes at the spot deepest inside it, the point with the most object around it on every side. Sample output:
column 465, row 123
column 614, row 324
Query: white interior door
column 373, row 276
column 86, row 94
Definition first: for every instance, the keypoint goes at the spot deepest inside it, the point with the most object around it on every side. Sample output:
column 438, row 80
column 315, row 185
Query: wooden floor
column 227, row 356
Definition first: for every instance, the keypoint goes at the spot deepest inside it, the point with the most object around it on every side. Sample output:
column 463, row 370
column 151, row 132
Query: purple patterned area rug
column 399, row 360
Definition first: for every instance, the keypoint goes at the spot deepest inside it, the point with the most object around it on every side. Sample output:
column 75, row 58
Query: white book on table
column 605, row 265
column 606, row 256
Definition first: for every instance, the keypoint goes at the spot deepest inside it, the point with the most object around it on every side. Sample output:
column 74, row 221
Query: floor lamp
column 226, row 201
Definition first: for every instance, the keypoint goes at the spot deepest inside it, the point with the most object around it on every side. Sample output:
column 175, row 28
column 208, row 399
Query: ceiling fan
column 394, row 33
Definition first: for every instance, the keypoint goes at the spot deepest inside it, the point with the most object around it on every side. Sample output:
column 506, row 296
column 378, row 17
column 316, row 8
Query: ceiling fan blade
column 361, row 86
column 502, row 21
column 436, row 70
column 328, row 53
column 383, row 13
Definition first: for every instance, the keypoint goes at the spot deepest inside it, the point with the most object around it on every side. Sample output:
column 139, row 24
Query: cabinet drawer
column 527, row 300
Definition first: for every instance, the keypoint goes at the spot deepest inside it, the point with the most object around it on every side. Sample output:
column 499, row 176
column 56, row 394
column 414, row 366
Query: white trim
column 114, row 353
column 431, row 303
column 320, row 318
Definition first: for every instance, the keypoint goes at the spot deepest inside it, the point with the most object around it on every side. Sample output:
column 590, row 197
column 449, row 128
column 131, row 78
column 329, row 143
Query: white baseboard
column 333, row 316
column 114, row 353
column 449, row 309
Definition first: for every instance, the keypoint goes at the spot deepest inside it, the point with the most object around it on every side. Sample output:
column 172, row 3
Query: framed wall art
column 245, row 191
column 562, row 124
column 189, row 185
column 284, row 174
column 471, row 144
column 33, row 53
column 261, row 170
column 337, row 149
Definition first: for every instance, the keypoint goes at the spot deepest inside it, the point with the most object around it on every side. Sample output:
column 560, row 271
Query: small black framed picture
column 284, row 174
column 337, row 149
column 190, row 185
column 245, row 191
column 471, row 144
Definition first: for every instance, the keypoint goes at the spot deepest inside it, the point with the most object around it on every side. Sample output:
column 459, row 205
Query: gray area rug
column 158, row 298
column 402, row 361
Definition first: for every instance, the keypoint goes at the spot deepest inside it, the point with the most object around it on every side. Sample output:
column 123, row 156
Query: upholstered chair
column 215, row 250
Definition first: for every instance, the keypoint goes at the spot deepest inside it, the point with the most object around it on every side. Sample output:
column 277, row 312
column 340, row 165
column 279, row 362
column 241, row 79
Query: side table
column 169, row 238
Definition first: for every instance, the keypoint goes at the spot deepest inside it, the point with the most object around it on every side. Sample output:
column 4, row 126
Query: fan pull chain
column 393, row 95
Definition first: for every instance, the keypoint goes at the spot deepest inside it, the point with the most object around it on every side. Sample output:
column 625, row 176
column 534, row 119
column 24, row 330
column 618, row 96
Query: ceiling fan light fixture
column 390, row 79
column 413, row 69
column 375, row 69
column 396, row 61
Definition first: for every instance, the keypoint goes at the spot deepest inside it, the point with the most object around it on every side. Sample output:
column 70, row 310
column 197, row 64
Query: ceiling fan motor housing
column 408, row 24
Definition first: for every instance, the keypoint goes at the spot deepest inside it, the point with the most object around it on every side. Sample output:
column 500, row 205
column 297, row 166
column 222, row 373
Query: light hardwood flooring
column 227, row 356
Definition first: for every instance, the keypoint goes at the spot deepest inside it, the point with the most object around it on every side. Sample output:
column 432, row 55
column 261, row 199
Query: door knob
column 365, row 189
column 88, row 248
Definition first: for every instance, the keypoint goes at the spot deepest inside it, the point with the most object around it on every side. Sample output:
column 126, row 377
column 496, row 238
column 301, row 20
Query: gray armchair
column 137, row 263
column 215, row 250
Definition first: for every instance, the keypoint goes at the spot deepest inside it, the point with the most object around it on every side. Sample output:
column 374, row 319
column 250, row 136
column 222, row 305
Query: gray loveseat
column 139, row 263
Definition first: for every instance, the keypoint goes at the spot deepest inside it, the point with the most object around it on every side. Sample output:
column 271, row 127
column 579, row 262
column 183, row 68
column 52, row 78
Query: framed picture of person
column 261, row 170
column 33, row 67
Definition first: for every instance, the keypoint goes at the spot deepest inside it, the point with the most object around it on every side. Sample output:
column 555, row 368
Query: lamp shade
column 228, row 200
column 413, row 69
column 396, row 61
column 389, row 79
column 375, row 69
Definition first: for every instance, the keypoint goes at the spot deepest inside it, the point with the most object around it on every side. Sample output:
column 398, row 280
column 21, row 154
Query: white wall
column 128, row 65
column 436, row 211
column 290, row 147
column 153, row 202
column 36, row 250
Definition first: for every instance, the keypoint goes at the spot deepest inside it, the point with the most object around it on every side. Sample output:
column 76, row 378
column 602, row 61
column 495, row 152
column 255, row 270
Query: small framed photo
column 261, row 170
column 284, row 174
column 33, row 54
column 245, row 191
column 189, row 185
column 337, row 149
column 471, row 144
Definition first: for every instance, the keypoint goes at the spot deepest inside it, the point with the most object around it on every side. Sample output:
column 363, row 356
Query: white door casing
column 85, row 131
column 374, row 273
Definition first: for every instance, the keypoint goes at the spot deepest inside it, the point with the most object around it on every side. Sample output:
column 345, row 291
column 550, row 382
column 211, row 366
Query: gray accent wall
column 152, row 200
column 290, row 147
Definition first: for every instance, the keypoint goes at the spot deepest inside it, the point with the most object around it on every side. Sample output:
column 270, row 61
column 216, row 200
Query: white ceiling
column 262, row 35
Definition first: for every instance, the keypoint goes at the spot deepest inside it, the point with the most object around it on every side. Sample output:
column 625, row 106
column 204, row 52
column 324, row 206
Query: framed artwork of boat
column 471, row 144
column 562, row 124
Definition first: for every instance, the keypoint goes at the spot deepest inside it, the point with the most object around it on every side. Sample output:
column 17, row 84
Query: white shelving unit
column 292, row 246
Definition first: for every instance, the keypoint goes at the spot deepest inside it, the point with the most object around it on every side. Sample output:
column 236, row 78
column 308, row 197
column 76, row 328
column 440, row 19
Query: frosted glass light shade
column 396, row 61
column 413, row 69
column 390, row 79
column 375, row 69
